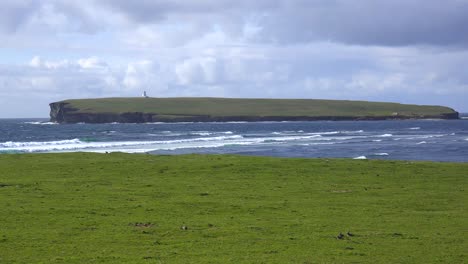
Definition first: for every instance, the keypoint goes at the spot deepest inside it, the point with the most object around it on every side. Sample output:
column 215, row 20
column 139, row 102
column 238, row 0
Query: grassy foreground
column 132, row 208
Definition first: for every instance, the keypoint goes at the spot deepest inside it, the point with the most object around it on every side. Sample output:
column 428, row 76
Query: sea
column 433, row 140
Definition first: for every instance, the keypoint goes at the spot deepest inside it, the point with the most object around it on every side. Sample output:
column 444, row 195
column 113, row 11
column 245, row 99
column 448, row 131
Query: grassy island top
column 251, row 107
column 138, row 208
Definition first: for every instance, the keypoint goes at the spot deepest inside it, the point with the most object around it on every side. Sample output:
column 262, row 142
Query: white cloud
column 198, row 71
column 369, row 50
column 91, row 63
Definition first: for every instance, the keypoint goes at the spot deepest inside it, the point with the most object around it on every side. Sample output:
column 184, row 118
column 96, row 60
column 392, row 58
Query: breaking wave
column 360, row 157
column 41, row 123
column 82, row 145
column 386, row 135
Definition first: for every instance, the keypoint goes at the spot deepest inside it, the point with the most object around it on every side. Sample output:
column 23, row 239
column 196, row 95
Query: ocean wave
column 282, row 139
column 386, row 135
column 41, row 123
column 414, row 128
column 319, row 143
column 352, row 131
column 426, row 136
column 201, row 133
column 11, row 144
column 360, row 157
column 207, row 133
column 376, row 140
column 324, row 133
column 381, row 154
column 77, row 144
column 422, row 142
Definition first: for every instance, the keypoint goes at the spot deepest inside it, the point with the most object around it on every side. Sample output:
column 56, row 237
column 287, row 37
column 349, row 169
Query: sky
column 407, row 51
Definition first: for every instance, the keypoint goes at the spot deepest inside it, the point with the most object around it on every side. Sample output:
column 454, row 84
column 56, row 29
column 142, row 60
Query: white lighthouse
column 144, row 94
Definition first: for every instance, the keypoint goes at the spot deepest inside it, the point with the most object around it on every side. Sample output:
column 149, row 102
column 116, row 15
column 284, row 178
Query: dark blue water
column 437, row 140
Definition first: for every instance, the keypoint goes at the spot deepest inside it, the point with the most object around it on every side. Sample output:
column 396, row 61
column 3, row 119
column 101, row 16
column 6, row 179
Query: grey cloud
column 370, row 22
column 156, row 10
column 14, row 13
column 364, row 22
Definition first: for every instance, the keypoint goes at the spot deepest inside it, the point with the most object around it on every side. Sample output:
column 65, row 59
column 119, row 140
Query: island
column 208, row 109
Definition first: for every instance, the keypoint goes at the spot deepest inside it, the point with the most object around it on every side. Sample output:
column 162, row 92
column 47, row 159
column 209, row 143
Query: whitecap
column 41, row 123
column 414, row 128
column 348, row 132
column 78, row 145
column 422, row 142
column 324, row 133
column 360, row 157
column 201, row 133
column 376, row 140
column 12, row 144
column 381, row 154
column 386, row 135
column 282, row 139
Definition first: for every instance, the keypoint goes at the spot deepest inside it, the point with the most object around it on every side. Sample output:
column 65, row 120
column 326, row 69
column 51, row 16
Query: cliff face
column 62, row 112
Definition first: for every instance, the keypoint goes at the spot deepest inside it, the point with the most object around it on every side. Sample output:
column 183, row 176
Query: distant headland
column 206, row 109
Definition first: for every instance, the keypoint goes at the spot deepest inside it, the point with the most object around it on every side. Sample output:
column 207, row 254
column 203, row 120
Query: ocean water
column 436, row 140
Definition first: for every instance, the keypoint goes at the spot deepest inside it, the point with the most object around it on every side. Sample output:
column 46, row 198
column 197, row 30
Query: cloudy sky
column 408, row 51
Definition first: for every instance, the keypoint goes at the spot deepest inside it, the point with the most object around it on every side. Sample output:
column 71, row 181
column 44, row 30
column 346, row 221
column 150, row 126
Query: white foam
column 376, row 140
column 41, row 123
column 201, row 133
column 11, row 144
column 381, row 154
column 291, row 138
column 321, row 143
column 386, row 135
column 422, row 142
column 78, row 145
column 324, row 133
column 414, row 128
column 348, row 132
column 360, row 157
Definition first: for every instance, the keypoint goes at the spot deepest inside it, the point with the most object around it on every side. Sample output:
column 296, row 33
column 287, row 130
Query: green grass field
column 130, row 208
column 168, row 107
